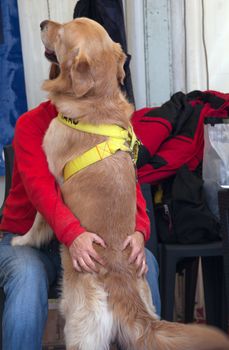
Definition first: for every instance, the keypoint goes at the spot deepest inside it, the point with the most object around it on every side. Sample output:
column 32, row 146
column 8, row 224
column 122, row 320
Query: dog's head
column 90, row 62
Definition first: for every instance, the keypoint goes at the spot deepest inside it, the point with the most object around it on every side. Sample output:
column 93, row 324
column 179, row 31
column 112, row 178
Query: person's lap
column 26, row 274
column 152, row 278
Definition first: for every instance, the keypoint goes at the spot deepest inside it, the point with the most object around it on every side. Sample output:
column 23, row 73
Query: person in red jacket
column 26, row 273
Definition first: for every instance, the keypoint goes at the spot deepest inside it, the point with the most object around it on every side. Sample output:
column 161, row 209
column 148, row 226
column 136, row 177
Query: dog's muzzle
column 51, row 56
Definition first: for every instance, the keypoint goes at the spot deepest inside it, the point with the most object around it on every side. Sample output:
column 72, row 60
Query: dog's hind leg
column 94, row 337
column 135, row 321
column 89, row 329
column 88, row 321
column 40, row 233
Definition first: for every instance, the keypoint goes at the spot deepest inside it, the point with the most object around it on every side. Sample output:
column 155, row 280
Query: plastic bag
column 215, row 162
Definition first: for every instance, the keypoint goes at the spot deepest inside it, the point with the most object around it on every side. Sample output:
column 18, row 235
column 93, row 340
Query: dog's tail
column 139, row 329
column 176, row 336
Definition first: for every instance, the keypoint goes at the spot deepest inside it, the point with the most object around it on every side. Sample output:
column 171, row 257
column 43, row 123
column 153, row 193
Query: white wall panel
column 177, row 32
column 148, row 37
column 136, row 48
column 195, row 58
column 217, row 43
column 207, row 23
column 157, row 51
column 36, row 67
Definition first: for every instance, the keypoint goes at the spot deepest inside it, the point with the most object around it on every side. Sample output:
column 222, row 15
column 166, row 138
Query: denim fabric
column 26, row 274
column 152, row 278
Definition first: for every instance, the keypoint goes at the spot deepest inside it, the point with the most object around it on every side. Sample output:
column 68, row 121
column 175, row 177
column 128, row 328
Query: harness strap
column 101, row 129
column 118, row 139
column 93, row 155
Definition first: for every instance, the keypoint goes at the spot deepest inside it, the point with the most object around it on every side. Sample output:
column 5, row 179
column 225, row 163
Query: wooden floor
column 57, row 347
column 60, row 347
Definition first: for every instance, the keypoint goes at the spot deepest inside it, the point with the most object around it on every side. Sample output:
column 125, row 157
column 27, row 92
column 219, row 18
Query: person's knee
column 28, row 276
column 152, row 278
column 26, row 306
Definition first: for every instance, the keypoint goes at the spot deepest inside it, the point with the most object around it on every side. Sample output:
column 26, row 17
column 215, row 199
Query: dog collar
column 119, row 139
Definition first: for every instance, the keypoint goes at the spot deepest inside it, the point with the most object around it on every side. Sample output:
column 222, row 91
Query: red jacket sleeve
column 142, row 219
column 40, row 185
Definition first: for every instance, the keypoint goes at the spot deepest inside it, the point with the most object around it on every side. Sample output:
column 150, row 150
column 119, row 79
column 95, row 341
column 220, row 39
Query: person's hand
column 137, row 256
column 83, row 253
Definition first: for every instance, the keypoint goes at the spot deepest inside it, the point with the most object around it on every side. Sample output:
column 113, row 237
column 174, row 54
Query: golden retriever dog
column 113, row 304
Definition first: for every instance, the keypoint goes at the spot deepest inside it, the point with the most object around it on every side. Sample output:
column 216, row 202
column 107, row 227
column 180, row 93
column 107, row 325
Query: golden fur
column 113, row 305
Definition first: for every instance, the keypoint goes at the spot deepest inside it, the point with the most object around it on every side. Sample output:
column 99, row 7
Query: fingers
column 96, row 257
column 84, row 263
column 135, row 254
column 90, row 264
column 126, row 242
column 135, row 249
column 139, row 259
column 87, row 265
column 99, row 240
column 76, row 265
column 83, row 253
column 143, row 269
column 84, row 256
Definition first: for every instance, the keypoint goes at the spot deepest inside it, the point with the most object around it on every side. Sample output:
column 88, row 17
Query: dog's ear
column 121, row 58
column 82, row 80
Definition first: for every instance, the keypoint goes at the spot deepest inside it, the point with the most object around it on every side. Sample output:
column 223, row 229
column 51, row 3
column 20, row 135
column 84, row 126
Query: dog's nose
column 43, row 24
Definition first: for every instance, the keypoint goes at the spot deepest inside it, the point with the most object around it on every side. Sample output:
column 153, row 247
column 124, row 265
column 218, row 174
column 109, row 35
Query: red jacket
column 173, row 135
column 34, row 188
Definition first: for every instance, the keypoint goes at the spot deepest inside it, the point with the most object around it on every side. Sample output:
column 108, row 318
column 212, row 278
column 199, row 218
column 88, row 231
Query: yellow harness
column 119, row 139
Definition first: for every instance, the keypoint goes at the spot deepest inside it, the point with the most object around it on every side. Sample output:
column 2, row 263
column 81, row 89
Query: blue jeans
column 26, row 274
column 152, row 279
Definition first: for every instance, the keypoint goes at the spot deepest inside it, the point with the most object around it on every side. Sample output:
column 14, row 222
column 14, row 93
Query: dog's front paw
column 19, row 240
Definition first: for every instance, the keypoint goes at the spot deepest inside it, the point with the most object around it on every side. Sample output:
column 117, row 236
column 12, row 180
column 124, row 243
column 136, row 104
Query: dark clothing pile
column 173, row 135
column 172, row 139
column 182, row 215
